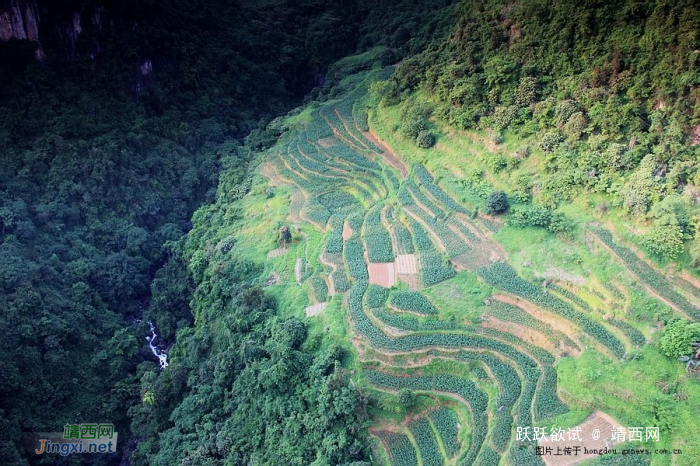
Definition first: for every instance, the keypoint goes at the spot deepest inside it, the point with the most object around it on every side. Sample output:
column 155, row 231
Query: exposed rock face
column 19, row 19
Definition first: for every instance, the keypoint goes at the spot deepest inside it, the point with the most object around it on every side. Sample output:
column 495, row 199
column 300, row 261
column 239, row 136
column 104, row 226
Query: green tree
column 425, row 139
column 497, row 202
column 406, row 398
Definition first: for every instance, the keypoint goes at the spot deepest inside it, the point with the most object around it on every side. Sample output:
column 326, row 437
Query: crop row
column 452, row 221
column 446, row 423
column 508, row 393
column 376, row 296
column 454, row 244
column 428, row 448
column 503, row 276
column 426, row 180
column 295, row 177
column 345, row 153
column 319, row 288
column 338, row 200
column 334, row 242
column 420, row 236
column 412, row 301
column 400, row 449
column 345, row 109
column 547, row 402
column 489, row 224
column 487, row 457
column 329, row 114
column 310, row 164
column 404, row 240
column 650, row 276
column 420, row 197
column 377, row 239
column 340, row 281
column 433, row 268
column 636, row 337
column 393, row 181
column 617, row 294
column 379, row 247
column 308, row 169
column 571, row 297
column 510, row 313
column 353, row 253
column 316, row 212
column 317, row 128
column 466, row 389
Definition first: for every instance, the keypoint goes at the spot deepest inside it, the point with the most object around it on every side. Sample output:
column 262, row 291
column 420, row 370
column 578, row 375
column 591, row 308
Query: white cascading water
column 162, row 357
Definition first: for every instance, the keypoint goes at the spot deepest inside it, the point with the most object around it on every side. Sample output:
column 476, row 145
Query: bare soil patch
column 382, row 274
column 347, row 231
column 315, row 309
column 328, row 142
column 277, row 252
column 598, row 420
column 410, row 280
column 554, row 273
column 406, row 264
column 563, row 326
column 297, row 271
column 524, row 333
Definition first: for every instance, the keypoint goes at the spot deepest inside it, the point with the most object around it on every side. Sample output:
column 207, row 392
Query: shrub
column 425, row 139
column 497, row 203
column 412, row 127
column 526, row 92
column 665, row 239
column 550, row 142
column 505, row 115
column 575, row 126
column 678, row 338
column 531, row 216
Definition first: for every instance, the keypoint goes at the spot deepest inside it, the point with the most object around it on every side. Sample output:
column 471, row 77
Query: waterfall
column 162, row 357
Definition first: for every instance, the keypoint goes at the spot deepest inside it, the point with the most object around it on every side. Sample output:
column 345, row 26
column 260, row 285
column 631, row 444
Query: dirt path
column 387, row 153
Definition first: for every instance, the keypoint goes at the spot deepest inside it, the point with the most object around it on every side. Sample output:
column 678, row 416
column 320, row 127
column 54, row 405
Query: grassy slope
column 627, row 390
column 592, row 381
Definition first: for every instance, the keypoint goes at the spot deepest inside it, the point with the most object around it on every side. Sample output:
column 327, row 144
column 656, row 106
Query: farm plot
column 382, row 223
column 654, row 280
column 597, row 420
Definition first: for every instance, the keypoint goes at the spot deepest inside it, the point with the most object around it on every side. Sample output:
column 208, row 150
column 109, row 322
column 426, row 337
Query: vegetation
column 678, row 337
column 154, row 173
column 412, row 301
column 497, row 203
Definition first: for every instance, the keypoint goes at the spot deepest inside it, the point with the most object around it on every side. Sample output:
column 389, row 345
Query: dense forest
column 127, row 141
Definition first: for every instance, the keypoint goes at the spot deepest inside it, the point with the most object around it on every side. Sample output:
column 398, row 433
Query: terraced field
column 386, row 222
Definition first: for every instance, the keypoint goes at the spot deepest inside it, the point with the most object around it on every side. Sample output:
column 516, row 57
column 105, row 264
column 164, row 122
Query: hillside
column 451, row 333
column 479, row 220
